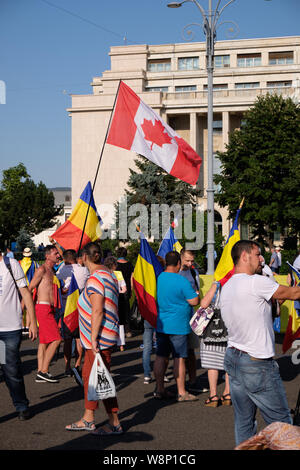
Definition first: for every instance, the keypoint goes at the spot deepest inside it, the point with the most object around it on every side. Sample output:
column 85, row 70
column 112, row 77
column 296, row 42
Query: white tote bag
column 101, row 384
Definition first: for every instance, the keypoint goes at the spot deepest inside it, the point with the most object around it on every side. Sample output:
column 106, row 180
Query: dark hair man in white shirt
column 246, row 309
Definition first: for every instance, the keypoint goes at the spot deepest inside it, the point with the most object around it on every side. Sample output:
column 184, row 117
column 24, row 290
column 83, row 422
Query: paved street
column 149, row 424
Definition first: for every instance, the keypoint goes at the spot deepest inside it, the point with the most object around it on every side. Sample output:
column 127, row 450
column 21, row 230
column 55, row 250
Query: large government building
column 172, row 79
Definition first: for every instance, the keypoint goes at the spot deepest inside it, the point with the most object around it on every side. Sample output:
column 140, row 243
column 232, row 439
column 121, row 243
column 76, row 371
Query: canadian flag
column 135, row 126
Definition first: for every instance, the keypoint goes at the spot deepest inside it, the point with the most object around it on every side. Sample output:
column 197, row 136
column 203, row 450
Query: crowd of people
column 243, row 350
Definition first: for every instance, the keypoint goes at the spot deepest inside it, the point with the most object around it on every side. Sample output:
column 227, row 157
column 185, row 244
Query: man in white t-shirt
column 11, row 329
column 246, row 309
column 64, row 274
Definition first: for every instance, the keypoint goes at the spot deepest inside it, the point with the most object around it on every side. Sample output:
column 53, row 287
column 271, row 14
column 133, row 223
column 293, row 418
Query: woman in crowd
column 126, row 269
column 99, row 332
column 212, row 357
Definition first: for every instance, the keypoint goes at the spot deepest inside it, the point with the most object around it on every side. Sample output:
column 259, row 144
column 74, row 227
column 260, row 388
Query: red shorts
column 48, row 328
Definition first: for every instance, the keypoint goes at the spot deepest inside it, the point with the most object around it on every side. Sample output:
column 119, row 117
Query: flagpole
column 99, row 162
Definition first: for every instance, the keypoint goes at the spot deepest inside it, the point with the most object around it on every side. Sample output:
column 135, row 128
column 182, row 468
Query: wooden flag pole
column 99, row 162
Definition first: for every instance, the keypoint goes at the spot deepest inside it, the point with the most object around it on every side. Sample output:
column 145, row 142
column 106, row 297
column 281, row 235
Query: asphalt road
column 149, row 424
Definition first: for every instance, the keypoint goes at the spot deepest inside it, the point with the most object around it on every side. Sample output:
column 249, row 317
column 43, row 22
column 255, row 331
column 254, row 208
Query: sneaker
column 39, row 379
column 77, row 376
column 166, row 379
column 147, row 380
column 68, row 372
column 141, row 346
column 24, row 415
column 46, row 377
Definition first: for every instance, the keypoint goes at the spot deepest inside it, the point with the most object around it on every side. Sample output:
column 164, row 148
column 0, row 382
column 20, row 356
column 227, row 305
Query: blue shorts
column 175, row 344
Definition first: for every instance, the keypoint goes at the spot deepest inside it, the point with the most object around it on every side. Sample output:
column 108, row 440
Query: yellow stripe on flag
column 226, row 264
column 71, row 303
column 144, row 274
column 77, row 218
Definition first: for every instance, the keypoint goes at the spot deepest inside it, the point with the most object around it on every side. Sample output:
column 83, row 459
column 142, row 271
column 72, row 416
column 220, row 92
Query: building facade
column 172, row 79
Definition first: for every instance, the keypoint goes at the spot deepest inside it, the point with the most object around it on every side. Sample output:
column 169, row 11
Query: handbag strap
column 216, row 297
column 8, row 265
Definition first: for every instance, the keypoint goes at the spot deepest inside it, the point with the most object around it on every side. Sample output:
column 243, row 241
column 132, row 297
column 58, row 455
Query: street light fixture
column 210, row 21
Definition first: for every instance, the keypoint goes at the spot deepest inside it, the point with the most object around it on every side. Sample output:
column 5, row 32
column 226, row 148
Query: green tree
column 150, row 184
column 24, row 204
column 262, row 163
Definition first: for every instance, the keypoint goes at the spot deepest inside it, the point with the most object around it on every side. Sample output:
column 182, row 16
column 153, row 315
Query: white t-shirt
column 247, row 312
column 81, row 274
column 297, row 263
column 10, row 307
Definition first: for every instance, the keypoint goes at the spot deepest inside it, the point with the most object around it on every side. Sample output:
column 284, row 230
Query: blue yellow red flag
column 28, row 267
column 293, row 327
column 145, row 274
column 71, row 318
column 169, row 243
column 225, row 268
column 69, row 234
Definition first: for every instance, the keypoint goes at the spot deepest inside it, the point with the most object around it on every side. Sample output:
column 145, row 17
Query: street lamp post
column 210, row 21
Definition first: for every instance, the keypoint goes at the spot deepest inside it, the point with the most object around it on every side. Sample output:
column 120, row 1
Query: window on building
column 247, row 85
column 281, row 58
column 67, row 216
column 248, row 60
column 185, row 88
column 281, row 84
column 188, row 63
column 217, row 86
column 217, row 127
column 67, row 198
column 222, row 61
column 159, row 65
column 164, row 89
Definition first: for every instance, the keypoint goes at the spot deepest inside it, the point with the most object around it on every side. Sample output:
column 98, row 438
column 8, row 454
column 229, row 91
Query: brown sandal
column 225, row 400
column 212, row 403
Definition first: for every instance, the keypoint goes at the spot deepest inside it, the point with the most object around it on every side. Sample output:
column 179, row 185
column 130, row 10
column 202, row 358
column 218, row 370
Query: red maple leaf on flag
column 155, row 133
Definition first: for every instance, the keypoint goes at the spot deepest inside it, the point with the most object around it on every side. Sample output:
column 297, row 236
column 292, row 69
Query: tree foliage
column 149, row 185
column 262, row 163
column 24, row 204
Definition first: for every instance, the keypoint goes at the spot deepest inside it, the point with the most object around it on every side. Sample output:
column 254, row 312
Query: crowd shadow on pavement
column 141, row 414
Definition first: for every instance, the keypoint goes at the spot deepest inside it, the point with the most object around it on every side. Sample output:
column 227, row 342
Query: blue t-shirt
column 174, row 312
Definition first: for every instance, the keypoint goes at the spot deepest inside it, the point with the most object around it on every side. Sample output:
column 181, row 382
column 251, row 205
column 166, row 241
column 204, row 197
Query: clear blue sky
column 53, row 48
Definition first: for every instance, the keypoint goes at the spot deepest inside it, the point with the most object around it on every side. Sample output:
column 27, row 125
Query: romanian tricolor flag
column 145, row 274
column 57, row 299
column 69, row 234
column 28, row 267
column 71, row 312
column 169, row 243
column 225, row 268
column 293, row 327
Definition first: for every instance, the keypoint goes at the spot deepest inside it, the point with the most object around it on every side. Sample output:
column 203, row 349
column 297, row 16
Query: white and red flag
column 135, row 126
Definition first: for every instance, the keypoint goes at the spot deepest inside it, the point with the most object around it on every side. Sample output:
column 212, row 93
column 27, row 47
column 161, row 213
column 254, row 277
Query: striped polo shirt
column 101, row 282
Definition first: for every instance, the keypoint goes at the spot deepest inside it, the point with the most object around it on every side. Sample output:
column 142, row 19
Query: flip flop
column 112, row 430
column 88, row 426
column 186, row 397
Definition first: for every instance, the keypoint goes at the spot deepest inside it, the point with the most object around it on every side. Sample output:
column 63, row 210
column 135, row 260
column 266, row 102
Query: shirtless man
column 49, row 335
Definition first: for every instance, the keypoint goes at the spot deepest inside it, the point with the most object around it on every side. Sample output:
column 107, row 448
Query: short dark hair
column 110, row 262
column 69, row 255
column 49, row 248
column 93, row 251
column 172, row 258
column 239, row 247
column 121, row 252
column 184, row 251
